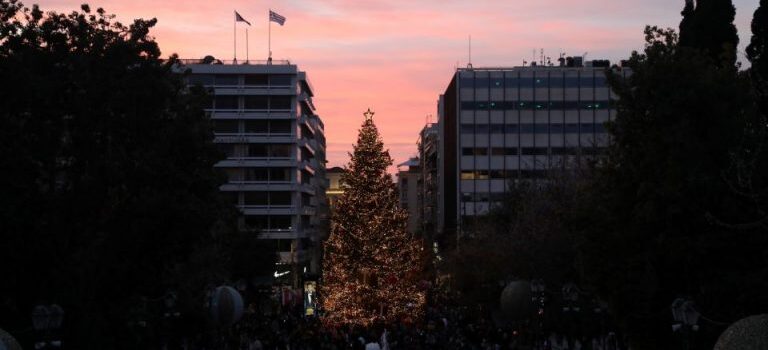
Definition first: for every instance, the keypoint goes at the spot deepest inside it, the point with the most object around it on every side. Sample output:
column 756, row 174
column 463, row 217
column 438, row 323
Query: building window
column 256, row 126
column 228, row 149
column 279, row 174
column 258, row 198
column 306, row 178
column 256, row 102
column 497, row 128
column 280, row 150
column 280, row 102
column 280, row 126
column 227, row 79
column 257, row 222
column 534, row 151
column 533, row 105
column 256, row 79
column 564, row 151
column 280, row 198
column 231, row 197
column 201, row 79
column 280, row 222
column 226, row 102
column 234, row 174
column 258, row 150
column 280, row 80
column 226, row 126
column 256, row 175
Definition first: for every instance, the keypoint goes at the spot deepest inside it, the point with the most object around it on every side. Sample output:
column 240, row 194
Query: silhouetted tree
column 687, row 27
column 709, row 27
column 109, row 196
column 757, row 50
column 680, row 120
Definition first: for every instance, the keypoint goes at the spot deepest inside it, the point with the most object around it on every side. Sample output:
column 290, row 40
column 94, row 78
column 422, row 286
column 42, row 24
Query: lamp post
column 686, row 319
column 538, row 288
column 47, row 319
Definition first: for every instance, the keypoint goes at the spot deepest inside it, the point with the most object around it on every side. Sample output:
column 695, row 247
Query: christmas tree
column 372, row 263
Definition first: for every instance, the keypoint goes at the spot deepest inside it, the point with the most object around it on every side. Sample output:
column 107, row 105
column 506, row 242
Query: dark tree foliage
column 757, row 50
column 687, row 28
column 664, row 196
column 109, row 198
column 529, row 236
column 709, row 27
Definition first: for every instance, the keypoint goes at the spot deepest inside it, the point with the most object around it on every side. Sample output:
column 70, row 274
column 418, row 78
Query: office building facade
column 500, row 125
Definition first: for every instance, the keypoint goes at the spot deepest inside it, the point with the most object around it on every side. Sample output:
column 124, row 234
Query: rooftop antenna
column 469, row 64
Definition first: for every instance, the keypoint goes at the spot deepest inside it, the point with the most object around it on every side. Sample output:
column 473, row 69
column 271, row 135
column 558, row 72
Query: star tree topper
column 369, row 114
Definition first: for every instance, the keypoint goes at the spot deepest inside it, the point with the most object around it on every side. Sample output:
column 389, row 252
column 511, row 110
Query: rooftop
column 214, row 61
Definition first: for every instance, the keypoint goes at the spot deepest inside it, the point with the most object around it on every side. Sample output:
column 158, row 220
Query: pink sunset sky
column 396, row 57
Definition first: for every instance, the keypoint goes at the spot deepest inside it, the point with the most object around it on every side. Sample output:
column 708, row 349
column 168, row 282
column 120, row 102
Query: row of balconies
column 289, row 185
column 252, row 90
column 277, row 210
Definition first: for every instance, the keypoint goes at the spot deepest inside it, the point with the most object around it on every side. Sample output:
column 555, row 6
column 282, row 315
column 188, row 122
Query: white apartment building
column 266, row 123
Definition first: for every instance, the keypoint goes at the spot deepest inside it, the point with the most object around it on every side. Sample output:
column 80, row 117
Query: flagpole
column 269, row 42
column 246, row 45
column 234, row 27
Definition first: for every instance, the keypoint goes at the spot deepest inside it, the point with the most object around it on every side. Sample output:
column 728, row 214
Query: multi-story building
column 498, row 125
column 408, row 176
column 428, row 179
column 335, row 188
column 266, row 124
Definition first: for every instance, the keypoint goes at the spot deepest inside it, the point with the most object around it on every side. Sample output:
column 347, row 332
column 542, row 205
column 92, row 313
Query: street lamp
column 45, row 319
column 571, row 296
column 538, row 288
column 686, row 318
column 684, row 313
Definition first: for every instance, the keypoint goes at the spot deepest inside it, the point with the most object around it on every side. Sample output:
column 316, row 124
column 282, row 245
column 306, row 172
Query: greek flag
column 274, row 17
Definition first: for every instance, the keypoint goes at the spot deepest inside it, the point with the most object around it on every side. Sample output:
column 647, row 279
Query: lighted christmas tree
column 372, row 263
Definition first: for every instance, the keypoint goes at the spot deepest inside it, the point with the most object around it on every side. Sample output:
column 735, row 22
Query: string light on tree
column 372, row 263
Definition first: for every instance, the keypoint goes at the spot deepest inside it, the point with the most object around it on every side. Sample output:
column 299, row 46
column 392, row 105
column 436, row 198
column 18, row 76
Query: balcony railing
column 186, row 61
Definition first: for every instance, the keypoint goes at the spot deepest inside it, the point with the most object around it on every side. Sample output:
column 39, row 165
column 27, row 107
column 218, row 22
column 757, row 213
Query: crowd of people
column 446, row 325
